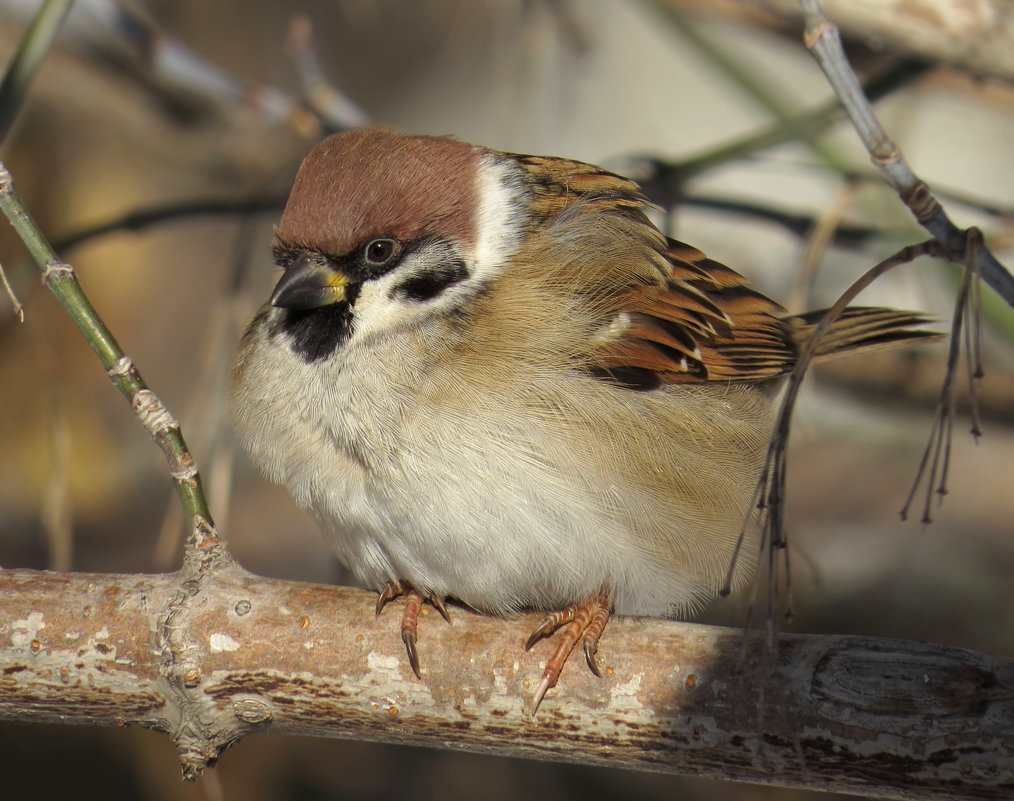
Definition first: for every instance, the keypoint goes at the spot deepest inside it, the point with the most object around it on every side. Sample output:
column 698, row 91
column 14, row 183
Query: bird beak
column 309, row 283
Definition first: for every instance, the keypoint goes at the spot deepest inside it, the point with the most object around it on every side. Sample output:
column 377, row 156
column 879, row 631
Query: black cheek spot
column 430, row 283
column 317, row 333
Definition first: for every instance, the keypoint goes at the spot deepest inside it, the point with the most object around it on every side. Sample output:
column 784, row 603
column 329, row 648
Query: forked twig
column 770, row 492
column 950, row 242
column 966, row 333
column 823, row 40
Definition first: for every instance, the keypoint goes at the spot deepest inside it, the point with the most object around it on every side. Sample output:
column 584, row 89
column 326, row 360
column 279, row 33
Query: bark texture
column 212, row 653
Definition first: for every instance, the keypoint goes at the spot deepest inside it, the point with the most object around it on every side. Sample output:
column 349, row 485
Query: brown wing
column 558, row 183
column 681, row 317
column 704, row 324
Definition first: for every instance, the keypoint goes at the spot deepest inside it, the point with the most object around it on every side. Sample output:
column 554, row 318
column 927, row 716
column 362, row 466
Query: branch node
column 185, row 469
column 55, row 268
column 121, row 367
column 155, row 417
column 205, row 552
column 922, row 203
column 886, row 155
column 252, row 709
column 814, row 33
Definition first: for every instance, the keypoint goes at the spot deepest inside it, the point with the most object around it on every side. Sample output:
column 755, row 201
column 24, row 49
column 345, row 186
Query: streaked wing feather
column 685, row 318
column 705, row 324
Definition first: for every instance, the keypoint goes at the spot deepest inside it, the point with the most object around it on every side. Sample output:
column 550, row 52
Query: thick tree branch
column 212, row 653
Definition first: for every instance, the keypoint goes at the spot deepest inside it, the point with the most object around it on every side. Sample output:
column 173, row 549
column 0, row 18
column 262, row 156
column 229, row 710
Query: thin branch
column 824, row 42
column 771, row 486
column 334, row 107
column 31, row 52
column 233, row 653
column 977, row 37
column 815, row 246
column 19, row 310
column 804, row 126
column 966, row 331
column 61, row 280
column 157, row 215
column 747, row 80
column 845, row 235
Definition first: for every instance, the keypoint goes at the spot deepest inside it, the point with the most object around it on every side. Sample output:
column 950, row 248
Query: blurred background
column 169, row 132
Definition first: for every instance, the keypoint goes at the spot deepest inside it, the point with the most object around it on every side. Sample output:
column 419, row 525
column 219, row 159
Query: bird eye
column 380, row 251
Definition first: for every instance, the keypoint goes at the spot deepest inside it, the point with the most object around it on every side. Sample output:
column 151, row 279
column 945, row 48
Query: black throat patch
column 317, row 333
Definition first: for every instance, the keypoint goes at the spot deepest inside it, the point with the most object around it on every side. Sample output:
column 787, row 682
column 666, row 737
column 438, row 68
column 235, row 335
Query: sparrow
column 490, row 377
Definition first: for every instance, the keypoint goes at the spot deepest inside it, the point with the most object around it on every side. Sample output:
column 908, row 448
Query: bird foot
column 410, row 617
column 584, row 621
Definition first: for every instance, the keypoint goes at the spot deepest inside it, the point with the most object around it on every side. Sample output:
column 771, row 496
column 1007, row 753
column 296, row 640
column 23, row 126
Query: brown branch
column 212, row 653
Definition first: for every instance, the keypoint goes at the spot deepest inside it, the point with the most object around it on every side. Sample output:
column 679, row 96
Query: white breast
column 497, row 501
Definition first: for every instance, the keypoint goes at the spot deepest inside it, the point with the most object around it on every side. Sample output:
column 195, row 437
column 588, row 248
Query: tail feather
column 862, row 328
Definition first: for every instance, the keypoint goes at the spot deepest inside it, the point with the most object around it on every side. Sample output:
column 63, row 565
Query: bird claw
column 586, row 621
column 409, row 637
column 438, row 603
column 549, row 624
column 591, row 647
column 390, row 591
column 410, row 617
column 540, row 692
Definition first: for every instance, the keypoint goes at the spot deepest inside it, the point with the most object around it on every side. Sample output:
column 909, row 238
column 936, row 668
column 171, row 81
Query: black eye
column 380, row 251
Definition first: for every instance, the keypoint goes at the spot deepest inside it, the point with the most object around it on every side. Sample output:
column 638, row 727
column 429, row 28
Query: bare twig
column 144, row 218
column 975, row 36
column 333, row 106
column 747, row 80
column 19, row 310
column 770, row 493
column 30, row 54
column 824, row 41
column 59, row 277
column 815, row 246
column 804, row 126
column 966, row 332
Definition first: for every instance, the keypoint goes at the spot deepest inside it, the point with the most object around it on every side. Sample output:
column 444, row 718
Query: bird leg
column 410, row 617
column 588, row 619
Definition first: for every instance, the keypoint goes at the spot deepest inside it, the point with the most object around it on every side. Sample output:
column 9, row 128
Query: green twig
column 31, row 51
column 749, row 82
column 59, row 277
column 801, row 127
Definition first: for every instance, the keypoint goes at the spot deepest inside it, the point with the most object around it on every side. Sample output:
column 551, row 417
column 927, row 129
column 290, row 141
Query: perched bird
column 491, row 378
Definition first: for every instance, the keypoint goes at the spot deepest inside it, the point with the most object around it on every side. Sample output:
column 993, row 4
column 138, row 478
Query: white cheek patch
column 500, row 216
column 381, row 308
column 374, row 311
